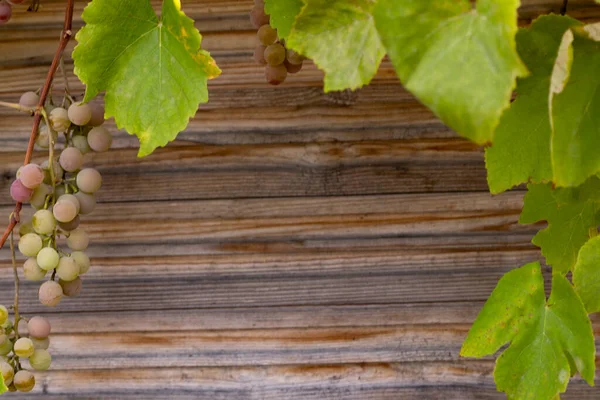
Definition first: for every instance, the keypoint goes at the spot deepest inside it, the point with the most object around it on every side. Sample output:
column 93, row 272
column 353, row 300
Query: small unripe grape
column 30, row 245
column 43, row 222
column 50, row 293
column 81, row 144
column 39, row 327
column 59, row 119
column 71, row 288
column 97, row 115
column 87, row 202
column 67, row 269
column 275, row 54
column 40, row 360
column 29, row 99
column 48, row 258
column 71, row 225
column 89, row 180
column 258, row 17
column 7, row 372
column 5, row 12
column 71, row 159
column 3, row 314
column 23, row 347
column 78, row 240
column 38, row 198
column 24, row 381
column 64, row 211
column 19, row 192
column 6, row 347
column 259, row 54
column 267, row 35
column 80, row 114
column 32, row 270
column 82, row 260
column 275, row 75
column 43, row 137
column 99, row 139
column 41, row 343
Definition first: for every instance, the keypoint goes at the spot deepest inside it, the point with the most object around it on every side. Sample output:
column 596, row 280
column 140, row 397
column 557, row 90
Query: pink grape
column 39, row 327
column 275, row 75
column 87, row 202
column 259, row 54
column 5, row 12
column 31, row 176
column 71, row 288
column 20, row 192
column 258, row 17
column 89, row 180
column 99, row 139
column 29, row 99
column 292, row 68
column 50, row 293
column 64, row 211
column 97, row 115
column 79, row 114
column 71, row 159
column 71, row 225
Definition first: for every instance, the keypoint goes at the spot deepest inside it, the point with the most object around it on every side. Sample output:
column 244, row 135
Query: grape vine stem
column 65, row 36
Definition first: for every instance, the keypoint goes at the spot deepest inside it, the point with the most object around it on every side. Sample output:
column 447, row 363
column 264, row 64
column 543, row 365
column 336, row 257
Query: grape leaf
column 152, row 69
column 521, row 148
column 586, row 275
column 340, row 37
column 283, row 14
column 3, row 387
column 576, row 122
column 570, row 213
column 459, row 61
column 544, row 336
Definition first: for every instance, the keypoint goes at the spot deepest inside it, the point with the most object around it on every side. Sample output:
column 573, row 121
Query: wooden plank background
column 290, row 244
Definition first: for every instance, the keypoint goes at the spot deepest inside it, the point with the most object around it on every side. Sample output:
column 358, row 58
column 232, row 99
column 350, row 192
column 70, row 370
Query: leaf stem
column 16, row 303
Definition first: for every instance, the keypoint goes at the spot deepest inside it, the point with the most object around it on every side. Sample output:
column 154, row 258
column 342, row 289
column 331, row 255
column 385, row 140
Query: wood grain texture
column 289, row 245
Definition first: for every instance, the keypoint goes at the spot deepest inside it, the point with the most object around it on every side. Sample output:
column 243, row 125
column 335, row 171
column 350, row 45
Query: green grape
column 3, row 314
column 39, row 327
column 43, row 222
column 6, row 347
column 41, row 343
column 32, row 270
column 30, row 244
column 23, row 347
column 71, row 288
column 82, row 260
column 80, row 114
column 275, row 54
column 67, row 269
column 89, row 180
column 267, row 35
column 87, row 202
column 3, row 338
column 59, row 119
column 47, row 258
column 25, row 228
column 59, row 191
column 50, row 293
column 7, row 372
column 24, row 381
column 81, row 144
column 40, row 360
column 38, row 198
column 71, row 159
column 78, row 240
column 64, row 210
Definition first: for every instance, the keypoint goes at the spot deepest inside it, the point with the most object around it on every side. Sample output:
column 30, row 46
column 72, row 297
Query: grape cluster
column 6, row 9
column 61, row 190
column 271, row 51
column 14, row 348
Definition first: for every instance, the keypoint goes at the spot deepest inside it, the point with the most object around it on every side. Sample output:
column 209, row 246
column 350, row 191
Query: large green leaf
column 458, row 60
column 340, row 37
column 153, row 69
column 575, row 117
column 521, row 148
column 283, row 14
column 544, row 336
column 586, row 275
column 570, row 213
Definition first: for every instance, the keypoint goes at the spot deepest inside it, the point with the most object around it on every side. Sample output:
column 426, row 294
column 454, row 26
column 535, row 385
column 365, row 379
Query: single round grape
column 292, row 68
column 40, row 360
column 97, row 115
column 41, row 343
column 23, row 347
column 5, row 12
column 79, row 114
column 25, row 227
column 59, row 119
column 38, row 198
column 258, row 17
column 24, row 381
column 19, row 192
column 275, row 54
column 56, row 168
column 43, row 137
column 43, row 222
column 71, row 159
column 82, row 260
column 71, row 198
column 3, row 314
column 6, row 347
column 81, row 144
column 47, row 258
column 78, row 240
column 29, row 99
column 89, row 180
column 64, row 211
column 30, row 245
column 71, row 225
column 71, row 288
column 32, row 270
column 87, row 202
column 7, row 372
column 267, row 35
column 293, row 57
column 60, row 191
column 99, row 139
column 259, row 54
column 275, row 75
column 67, row 269
column 50, row 293
column 39, row 327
